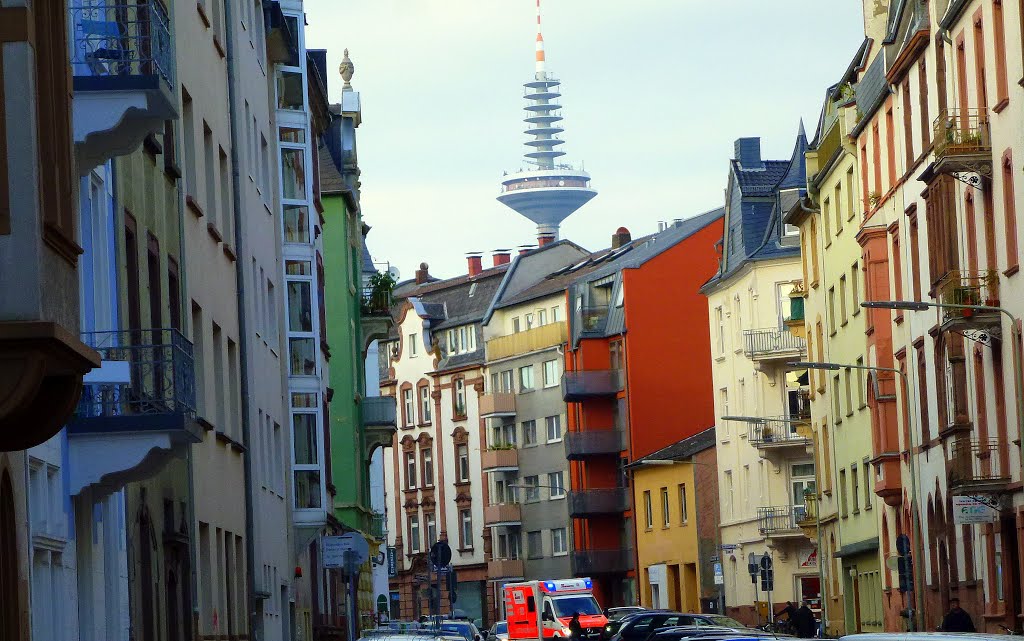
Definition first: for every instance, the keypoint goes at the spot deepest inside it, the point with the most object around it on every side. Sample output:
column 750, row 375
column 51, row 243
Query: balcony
column 808, row 520
column 978, row 466
column 772, row 344
column 377, row 526
column 136, row 412
column 123, row 66
column 532, row 340
column 782, row 521
column 587, row 443
column 282, row 44
column 962, row 142
column 592, row 320
column 379, row 421
column 497, row 404
column 961, row 287
column 581, row 385
column 591, row 562
column 777, row 433
column 500, row 459
column 584, row 503
column 505, row 569
column 502, row 514
column 375, row 319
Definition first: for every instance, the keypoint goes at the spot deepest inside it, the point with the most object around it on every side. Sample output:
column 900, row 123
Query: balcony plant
column 499, row 447
column 377, row 294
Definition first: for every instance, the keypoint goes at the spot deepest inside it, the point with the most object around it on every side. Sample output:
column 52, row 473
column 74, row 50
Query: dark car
column 464, row 629
column 637, row 627
column 617, row 614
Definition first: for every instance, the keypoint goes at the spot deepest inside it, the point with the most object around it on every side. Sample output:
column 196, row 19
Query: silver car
column 498, row 632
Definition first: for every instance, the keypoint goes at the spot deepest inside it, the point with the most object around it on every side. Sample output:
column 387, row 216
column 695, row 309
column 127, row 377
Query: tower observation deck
column 548, row 192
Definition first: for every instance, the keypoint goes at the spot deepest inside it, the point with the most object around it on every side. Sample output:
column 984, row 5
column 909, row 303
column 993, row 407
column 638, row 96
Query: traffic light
column 905, row 568
column 767, row 580
column 453, row 583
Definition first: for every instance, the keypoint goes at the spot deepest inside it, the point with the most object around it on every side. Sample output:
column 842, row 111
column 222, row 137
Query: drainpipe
column 255, row 631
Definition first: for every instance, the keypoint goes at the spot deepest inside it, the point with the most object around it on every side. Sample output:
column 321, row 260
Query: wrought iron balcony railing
column 613, row 500
column 380, row 410
column 376, row 302
column 772, row 342
column 780, row 518
column 149, row 372
column 583, row 384
column 961, row 287
column 977, row 465
column 776, row 431
column 579, row 445
column 589, row 562
column 121, row 40
column 962, row 132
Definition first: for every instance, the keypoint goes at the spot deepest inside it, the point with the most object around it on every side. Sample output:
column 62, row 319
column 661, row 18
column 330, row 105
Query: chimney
column 475, row 262
column 524, row 248
column 545, row 239
column 748, row 152
column 662, row 226
column 422, row 274
column 621, row 237
column 501, row 256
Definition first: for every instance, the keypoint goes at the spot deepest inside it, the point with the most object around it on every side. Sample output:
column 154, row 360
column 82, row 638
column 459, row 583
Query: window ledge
column 214, row 232
column 1001, row 105
column 191, row 203
column 1011, row 270
column 898, row 319
column 201, row 10
column 219, row 47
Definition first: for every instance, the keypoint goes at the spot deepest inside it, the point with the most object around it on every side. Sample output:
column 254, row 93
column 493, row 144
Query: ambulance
column 543, row 609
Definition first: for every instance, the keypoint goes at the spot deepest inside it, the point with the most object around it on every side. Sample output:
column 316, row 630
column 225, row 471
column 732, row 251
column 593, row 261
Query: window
column 843, row 509
column 719, row 331
column 559, row 541
column 849, row 394
column 551, row 373
column 506, row 381
column 534, row 545
column 842, row 299
column 408, row 408
column 466, row 528
column 999, row 35
column 431, row 530
column 459, row 398
column 410, row 470
column 427, row 464
column 529, row 320
column 861, row 386
column 851, row 209
column 542, row 317
column 225, row 197
column 529, row 433
column 648, row 512
column 1009, row 212
column 832, row 310
column 723, row 397
column 526, row 378
column 412, row 346
column 503, row 435
column 684, row 513
column 837, row 199
column 532, row 492
column 826, row 216
column 665, row 512
column 554, row 315
column 855, row 488
column 515, row 325
column 922, row 102
column 415, row 545
column 210, row 165
column 908, row 123
column 837, row 416
column 855, row 288
column 867, row 484
column 554, row 428
column 890, row 143
column 188, row 136
column 555, row 486
column 729, row 489
column 462, row 453
column 424, row 404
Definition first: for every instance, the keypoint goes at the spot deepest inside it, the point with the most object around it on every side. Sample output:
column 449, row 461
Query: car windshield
column 462, row 629
column 566, row 606
column 501, row 628
column 725, row 622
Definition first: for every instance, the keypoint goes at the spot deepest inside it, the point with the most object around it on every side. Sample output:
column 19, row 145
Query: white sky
column 654, row 94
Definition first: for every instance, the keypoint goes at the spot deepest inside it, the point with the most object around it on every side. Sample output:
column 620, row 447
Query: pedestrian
column 804, row 622
column 789, row 611
column 957, row 620
column 575, row 629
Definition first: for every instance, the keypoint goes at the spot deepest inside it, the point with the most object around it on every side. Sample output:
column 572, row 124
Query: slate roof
column 331, row 181
column 553, row 283
column 681, row 449
column 871, row 92
column 760, row 182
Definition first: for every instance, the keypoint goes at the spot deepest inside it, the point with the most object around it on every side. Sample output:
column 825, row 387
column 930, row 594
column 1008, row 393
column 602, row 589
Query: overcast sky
column 654, row 94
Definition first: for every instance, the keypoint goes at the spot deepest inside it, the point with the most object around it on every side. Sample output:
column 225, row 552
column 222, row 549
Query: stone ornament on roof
column 346, row 69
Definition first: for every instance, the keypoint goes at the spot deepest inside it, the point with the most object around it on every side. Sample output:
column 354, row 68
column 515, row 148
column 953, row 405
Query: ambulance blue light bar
column 567, row 585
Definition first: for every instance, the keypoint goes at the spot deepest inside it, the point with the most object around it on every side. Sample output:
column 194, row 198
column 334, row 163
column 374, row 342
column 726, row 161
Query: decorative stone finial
column 346, row 69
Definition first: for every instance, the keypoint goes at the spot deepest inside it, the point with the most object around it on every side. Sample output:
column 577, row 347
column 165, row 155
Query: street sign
column 968, row 510
column 336, row 547
column 440, row 555
column 392, row 562
column 766, row 562
column 752, row 569
column 728, row 548
column 719, row 575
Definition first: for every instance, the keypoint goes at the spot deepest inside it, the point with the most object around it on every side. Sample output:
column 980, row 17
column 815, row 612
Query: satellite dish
column 397, row 275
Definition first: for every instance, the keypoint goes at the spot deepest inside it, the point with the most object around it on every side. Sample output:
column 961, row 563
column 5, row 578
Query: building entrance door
column 809, row 589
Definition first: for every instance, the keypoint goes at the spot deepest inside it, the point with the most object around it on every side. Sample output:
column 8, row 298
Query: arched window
column 9, row 597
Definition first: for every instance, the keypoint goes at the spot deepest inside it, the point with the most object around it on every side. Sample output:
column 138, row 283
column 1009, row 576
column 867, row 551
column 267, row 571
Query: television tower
column 548, row 192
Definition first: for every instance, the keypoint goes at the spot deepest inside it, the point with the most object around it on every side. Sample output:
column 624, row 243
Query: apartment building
column 845, row 503
column 675, row 490
column 618, row 388
column 765, row 457
column 936, row 143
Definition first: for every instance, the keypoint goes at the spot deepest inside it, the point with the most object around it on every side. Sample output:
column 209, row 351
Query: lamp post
column 912, row 463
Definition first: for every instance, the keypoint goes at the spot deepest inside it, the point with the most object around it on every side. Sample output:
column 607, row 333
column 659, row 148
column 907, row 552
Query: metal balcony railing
column 976, row 465
column 588, row 383
column 588, row 562
column 773, row 342
column 961, row 287
column 122, row 39
column 614, row 500
column 961, row 132
column 592, row 319
column 153, row 373
column 375, row 302
column 378, row 526
column 380, row 410
column 587, row 443
column 780, row 518
column 773, row 431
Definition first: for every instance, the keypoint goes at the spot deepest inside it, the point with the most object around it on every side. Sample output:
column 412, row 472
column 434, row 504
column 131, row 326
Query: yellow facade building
column 677, row 524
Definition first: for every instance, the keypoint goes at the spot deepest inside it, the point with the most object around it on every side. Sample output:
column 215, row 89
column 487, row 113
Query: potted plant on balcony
column 966, row 295
column 377, row 295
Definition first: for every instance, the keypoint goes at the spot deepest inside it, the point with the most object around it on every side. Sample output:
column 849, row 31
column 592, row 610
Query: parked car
column 498, row 632
column 639, row 627
column 709, row 633
column 617, row 614
column 464, row 629
column 924, row 636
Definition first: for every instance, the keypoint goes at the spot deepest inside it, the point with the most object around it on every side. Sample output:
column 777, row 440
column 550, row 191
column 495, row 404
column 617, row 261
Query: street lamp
column 913, row 459
column 1018, row 371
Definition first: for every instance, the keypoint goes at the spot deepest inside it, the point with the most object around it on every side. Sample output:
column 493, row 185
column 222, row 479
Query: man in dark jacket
column 804, row 622
column 789, row 611
column 574, row 626
column 957, row 620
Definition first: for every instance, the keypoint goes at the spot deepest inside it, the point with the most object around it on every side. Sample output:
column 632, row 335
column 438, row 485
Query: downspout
column 255, row 631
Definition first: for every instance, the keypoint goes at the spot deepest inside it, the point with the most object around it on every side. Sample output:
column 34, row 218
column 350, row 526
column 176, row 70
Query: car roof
column 923, row 636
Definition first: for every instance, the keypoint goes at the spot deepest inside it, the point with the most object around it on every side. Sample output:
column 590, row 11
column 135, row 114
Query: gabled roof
column 681, row 449
column 331, row 181
column 759, row 182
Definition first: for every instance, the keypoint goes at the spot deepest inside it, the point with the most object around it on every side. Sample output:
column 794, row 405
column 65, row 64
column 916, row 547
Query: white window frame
column 551, row 373
column 556, row 549
column 547, row 428
column 556, row 485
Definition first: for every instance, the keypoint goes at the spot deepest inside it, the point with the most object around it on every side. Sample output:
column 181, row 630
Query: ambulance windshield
column 566, row 606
